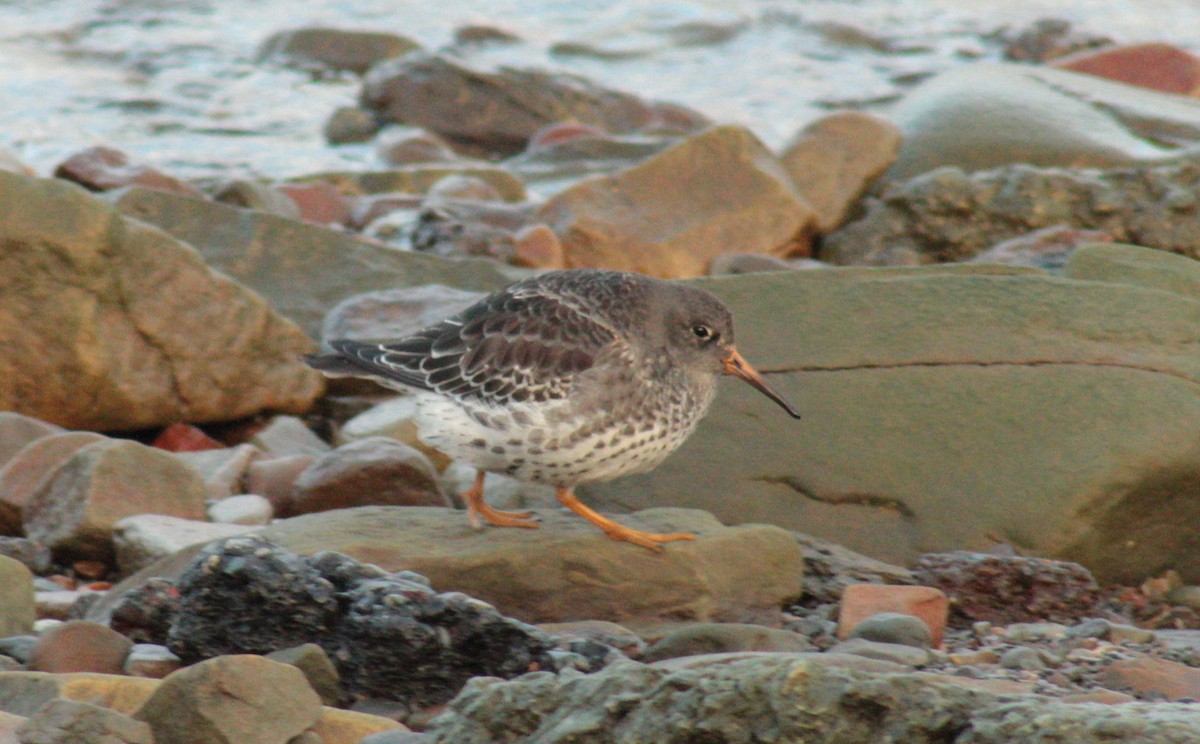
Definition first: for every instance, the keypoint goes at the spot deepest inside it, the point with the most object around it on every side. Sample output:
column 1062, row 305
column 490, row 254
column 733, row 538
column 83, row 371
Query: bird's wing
column 521, row 344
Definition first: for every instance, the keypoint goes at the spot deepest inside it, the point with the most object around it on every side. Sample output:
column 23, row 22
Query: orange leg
column 616, row 531
column 477, row 509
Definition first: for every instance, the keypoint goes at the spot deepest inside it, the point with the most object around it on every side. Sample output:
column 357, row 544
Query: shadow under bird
column 569, row 377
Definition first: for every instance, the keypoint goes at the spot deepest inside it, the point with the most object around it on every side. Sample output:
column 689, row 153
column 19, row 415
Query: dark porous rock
column 33, row 554
column 949, row 215
column 145, row 612
column 64, row 721
column 1010, row 589
column 244, row 595
column 334, row 49
column 495, row 111
column 371, row 471
column 762, row 698
column 105, row 168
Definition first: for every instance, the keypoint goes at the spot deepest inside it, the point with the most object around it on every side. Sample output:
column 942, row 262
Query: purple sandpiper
column 566, row 378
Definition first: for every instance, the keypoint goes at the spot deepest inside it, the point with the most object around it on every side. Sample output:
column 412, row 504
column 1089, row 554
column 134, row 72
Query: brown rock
column 715, row 638
column 1153, row 677
column 17, row 602
column 1155, row 65
column 151, row 660
column 130, row 340
column 407, row 149
column 225, row 471
column 231, row 700
column 337, row 726
column 180, row 437
column 374, row 471
column 275, row 478
column 25, row 692
column 318, row 201
column 1010, row 589
column 462, row 186
column 560, row 132
column 17, row 431
column 716, row 192
column 21, row 478
column 80, row 646
column 349, row 124
column 258, row 196
column 105, row 168
column 537, row 247
column 334, row 48
column 74, row 510
column 834, row 160
column 71, row 722
column 861, row 601
column 318, row 669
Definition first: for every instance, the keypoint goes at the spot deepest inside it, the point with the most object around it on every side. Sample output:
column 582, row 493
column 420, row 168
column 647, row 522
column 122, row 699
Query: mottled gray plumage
column 566, row 378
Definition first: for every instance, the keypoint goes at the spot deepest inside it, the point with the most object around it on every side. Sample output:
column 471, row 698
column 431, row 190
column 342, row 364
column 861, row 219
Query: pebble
column 151, row 660
column 1022, row 657
column 893, row 652
column 80, row 646
column 246, row 509
column 894, row 627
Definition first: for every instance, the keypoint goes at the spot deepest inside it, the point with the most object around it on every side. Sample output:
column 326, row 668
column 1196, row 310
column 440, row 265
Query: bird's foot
column 480, row 513
column 651, row 540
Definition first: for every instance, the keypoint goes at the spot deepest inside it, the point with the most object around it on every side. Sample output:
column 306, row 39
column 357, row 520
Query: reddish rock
column 89, row 569
column 1154, row 65
column 319, row 201
column 861, row 601
column 21, row 478
column 373, row 471
column 370, row 207
column 80, row 646
column 1151, row 677
column 407, row 149
column 554, row 134
column 105, row 168
column 275, row 479
column 180, row 437
column 537, row 247
column 18, row 430
column 1010, row 589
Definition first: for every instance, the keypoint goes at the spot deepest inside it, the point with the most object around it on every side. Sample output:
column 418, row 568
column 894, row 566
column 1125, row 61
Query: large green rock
column 951, row 408
column 302, row 269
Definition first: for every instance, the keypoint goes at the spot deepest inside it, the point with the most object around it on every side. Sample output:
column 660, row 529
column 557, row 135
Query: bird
column 565, row 378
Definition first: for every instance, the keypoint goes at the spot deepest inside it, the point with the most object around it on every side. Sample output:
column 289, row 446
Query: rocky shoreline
column 980, row 531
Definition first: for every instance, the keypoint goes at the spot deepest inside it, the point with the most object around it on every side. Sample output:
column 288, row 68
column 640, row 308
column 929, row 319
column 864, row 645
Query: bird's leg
column 476, row 508
column 616, row 531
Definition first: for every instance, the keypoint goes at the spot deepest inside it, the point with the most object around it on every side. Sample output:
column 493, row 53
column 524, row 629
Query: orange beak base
column 738, row 367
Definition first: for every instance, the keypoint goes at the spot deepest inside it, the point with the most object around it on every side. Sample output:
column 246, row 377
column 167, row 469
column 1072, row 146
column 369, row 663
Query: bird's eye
column 702, row 331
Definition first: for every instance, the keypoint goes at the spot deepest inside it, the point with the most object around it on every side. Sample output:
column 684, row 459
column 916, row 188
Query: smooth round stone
column 1022, row 657
column 1024, row 632
column 894, row 627
column 247, row 508
column 897, row 653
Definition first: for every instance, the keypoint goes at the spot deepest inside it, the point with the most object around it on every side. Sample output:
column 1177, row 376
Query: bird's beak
column 738, row 367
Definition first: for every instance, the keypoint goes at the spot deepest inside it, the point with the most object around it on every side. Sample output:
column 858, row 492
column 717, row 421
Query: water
column 175, row 83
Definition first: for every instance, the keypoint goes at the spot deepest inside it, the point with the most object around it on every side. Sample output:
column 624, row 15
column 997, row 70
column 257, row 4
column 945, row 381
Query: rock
column 796, row 697
column 311, row 659
column 499, row 491
column 610, row 634
column 130, row 357
column 151, row 660
column 318, row 201
column 1022, row 657
column 17, row 611
column 420, row 179
column 76, row 510
column 567, row 569
column 145, row 612
column 897, row 653
column 18, row 431
column 395, row 419
column 141, row 539
column 982, row 116
column 23, row 693
column 258, row 196
column 947, row 215
column 349, row 125
column 980, row 361
column 80, row 646
column 641, row 220
column 389, row 636
column 1048, row 38
column 861, row 602
column 247, row 509
column 63, row 604
column 105, row 168
column 537, row 247
column 29, row 470
column 231, row 699
column 393, row 313
column 714, row 638
column 494, row 111
column 12, row 163
column 640, row 33
column 274, row 257
column 34, row 555
column 748, row 263
column 1048, row 248
column 894, row 628
column 288, row 435
column 1149, row 677
column 372, row 471
column 1155, row 65
column 179, row 437
column 336, row 726
column 830, row 568
column 1010, row 589
column 468, row 188
column 457, row 227
column 1082, row 723
column 225, row 471
column 835, row 159
column 334, row 49
column 70, row 722
column 407, row 148
column 275, row 478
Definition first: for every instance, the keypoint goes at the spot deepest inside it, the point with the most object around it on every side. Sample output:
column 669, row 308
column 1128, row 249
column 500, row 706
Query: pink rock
column 562, row 132
column 80, row 646
column 105, row 168
column 24, row 474
column 180, row 437
column 1146, row 676
column 861, row 601
column 1154, row 65
column 319, row 201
